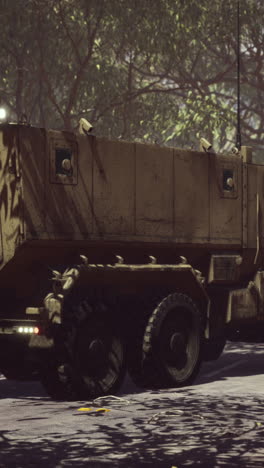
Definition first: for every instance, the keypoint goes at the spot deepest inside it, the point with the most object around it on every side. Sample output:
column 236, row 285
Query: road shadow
column 237, row 360
column 164, row 431
column 159, row 429
column 16, row 389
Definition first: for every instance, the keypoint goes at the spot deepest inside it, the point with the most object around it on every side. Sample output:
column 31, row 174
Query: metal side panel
column 253, row 207
column 225, row 200
column 32, row 149
column 114, row 187
column 260, row 214
column 154, row 191
column 191, row 193
column 68, row 203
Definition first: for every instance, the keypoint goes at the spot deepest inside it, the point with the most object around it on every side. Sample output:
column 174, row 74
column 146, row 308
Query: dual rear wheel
column 88, row 359
column 91, row 355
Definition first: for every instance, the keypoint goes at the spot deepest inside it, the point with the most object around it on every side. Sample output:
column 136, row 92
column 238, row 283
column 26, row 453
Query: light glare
column 2, row 113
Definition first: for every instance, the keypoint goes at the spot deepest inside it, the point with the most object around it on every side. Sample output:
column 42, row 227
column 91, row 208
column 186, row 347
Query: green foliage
column 161, row 71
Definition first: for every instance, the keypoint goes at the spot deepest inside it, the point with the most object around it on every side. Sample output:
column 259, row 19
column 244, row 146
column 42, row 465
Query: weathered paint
column 10, row 194
column 126, row 191
column 116, row 194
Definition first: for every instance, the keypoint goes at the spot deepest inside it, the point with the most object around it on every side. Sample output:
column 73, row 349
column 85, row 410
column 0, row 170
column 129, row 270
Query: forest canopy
column 162, row 71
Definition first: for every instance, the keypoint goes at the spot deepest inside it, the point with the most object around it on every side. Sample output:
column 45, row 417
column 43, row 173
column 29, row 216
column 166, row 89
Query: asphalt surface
column 218, row 422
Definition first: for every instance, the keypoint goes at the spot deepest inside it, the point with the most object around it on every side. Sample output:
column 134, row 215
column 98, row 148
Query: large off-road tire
column 89, row 356
column 172, row 342
column 140, row 310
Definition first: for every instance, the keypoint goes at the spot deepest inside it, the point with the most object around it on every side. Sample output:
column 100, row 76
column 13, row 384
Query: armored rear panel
column 10, row 193
column 2, row 157
column 33, row 156
column 255, row 208
column 1, row 245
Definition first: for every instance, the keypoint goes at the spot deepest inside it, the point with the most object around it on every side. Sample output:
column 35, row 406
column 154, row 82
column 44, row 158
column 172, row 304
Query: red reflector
column 36, row 330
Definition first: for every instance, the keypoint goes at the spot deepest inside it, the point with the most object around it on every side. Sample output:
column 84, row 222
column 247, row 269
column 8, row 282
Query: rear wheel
column 99, row 358
column 140, row 310
column 172, row 342
column 88, row 359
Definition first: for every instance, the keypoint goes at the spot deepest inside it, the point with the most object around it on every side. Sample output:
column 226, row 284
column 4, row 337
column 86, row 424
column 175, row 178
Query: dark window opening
column 61, row 155
column 228, row 180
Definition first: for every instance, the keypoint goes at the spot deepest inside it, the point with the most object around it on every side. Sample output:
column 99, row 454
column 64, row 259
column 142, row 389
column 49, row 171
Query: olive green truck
column 123, row 257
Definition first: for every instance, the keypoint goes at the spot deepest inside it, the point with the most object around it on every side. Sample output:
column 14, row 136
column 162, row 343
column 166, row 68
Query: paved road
column 218, row 422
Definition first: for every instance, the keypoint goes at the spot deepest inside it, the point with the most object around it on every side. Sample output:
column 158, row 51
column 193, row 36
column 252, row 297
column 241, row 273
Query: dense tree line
column 159, row 70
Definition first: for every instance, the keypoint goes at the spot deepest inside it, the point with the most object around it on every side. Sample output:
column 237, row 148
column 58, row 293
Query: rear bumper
column 22, row 349
column 22, row 334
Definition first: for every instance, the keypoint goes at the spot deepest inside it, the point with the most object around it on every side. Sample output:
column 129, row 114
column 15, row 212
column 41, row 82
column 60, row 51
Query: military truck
column 119, row 256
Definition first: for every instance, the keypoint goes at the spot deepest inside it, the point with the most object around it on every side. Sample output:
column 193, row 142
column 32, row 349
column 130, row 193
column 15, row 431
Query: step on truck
column 123, row 257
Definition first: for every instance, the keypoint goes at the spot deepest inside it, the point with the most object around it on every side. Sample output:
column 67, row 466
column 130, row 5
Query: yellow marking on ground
column 103, row 410
column 84, row 409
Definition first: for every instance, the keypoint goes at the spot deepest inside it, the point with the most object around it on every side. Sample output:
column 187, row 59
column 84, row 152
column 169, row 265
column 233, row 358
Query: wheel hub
column 96, row 350
column 177, row 343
